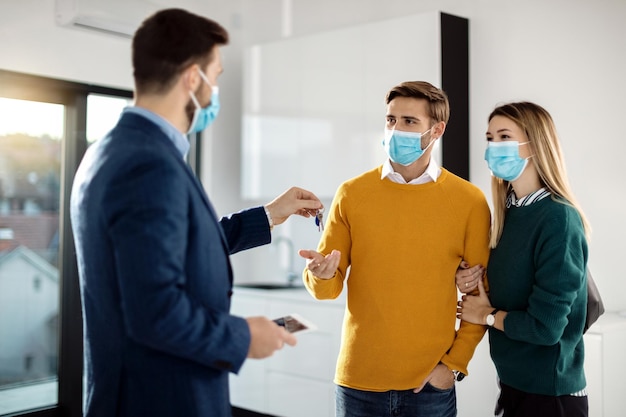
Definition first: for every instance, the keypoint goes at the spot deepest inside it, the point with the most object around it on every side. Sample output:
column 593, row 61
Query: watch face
column 491, row 319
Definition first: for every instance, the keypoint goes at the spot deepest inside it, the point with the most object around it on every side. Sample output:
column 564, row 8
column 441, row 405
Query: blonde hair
column 547, row 158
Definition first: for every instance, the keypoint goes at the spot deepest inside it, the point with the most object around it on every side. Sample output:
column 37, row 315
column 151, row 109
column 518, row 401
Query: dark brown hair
column 169, row 41
column 438, row 106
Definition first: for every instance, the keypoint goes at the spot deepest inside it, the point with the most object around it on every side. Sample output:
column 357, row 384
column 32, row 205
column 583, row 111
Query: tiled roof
column 33, row 231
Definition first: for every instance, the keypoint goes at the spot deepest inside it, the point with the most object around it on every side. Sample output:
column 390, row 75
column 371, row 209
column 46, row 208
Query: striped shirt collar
column 531, row 198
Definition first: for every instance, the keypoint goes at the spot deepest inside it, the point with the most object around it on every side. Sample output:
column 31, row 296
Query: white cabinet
column 605, row 365
column 295, row 381
column 245, row 388
column 298, row 381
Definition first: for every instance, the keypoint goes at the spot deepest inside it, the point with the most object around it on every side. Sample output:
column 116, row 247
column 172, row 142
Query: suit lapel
column 135, row 121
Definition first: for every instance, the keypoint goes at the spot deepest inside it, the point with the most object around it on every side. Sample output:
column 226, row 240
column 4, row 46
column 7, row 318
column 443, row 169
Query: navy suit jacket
column 156, row 279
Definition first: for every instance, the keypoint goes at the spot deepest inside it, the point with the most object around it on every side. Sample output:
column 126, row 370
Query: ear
column 438, row 129
column 191, row 78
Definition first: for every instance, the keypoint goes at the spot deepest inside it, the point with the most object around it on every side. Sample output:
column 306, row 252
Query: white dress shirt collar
column 431, row 174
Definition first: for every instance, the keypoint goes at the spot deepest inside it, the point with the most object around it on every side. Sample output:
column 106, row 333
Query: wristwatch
column 491, row 318
column 458, row 376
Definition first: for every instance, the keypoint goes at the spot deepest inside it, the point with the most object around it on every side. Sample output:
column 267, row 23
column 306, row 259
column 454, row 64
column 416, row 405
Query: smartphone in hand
column 295, row 323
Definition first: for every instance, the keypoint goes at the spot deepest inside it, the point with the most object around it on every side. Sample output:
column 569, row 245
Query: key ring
column 319, row 219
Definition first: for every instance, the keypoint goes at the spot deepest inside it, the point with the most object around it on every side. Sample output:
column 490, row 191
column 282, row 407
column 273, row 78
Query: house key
column 319, row 219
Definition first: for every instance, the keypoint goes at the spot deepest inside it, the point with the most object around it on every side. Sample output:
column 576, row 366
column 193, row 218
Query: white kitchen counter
column 297, row 293
column 295, row 381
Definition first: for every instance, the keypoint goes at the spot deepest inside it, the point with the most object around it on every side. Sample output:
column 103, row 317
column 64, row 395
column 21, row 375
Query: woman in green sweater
column 537, row 298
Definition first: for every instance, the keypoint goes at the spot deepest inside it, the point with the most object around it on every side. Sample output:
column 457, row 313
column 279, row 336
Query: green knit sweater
column 537, row 274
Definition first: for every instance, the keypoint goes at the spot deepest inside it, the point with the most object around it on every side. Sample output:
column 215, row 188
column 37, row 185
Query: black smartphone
column 295, row 323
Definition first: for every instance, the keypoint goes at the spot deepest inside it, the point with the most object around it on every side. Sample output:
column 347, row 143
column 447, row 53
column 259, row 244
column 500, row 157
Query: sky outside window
column 103, row 112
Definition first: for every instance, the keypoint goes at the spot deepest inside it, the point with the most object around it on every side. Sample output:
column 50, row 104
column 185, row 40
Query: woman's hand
column 475, row 308
column 467, row 278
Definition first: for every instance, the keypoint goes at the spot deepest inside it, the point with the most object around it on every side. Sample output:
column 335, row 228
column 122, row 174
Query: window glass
column 31, row 135
column 103, row 113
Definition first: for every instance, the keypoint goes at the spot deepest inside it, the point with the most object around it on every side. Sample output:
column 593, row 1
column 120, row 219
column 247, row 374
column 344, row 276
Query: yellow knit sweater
column 402, row 245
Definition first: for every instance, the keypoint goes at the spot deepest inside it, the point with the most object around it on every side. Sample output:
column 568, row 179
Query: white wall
column 566, row 55
column 30, row 42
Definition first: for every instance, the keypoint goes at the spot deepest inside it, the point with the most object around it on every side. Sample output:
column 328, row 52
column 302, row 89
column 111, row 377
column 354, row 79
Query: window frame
column 73, row 95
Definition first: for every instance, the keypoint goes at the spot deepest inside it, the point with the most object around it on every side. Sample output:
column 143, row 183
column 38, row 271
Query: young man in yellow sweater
column 402, row 229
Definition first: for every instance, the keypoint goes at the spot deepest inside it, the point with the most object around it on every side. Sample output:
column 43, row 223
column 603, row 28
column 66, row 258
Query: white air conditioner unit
column 114, row 17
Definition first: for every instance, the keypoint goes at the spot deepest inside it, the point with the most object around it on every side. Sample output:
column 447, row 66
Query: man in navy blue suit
column 153, row 257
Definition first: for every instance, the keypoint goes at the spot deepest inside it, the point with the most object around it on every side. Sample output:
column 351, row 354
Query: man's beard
column 190, row 109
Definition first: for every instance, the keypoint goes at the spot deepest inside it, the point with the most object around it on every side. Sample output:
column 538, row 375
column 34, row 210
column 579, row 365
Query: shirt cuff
column 269, row 218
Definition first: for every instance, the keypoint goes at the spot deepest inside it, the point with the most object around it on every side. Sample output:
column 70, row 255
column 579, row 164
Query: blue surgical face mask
column 203, row 117
column 504, row 161
column 404, row 148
